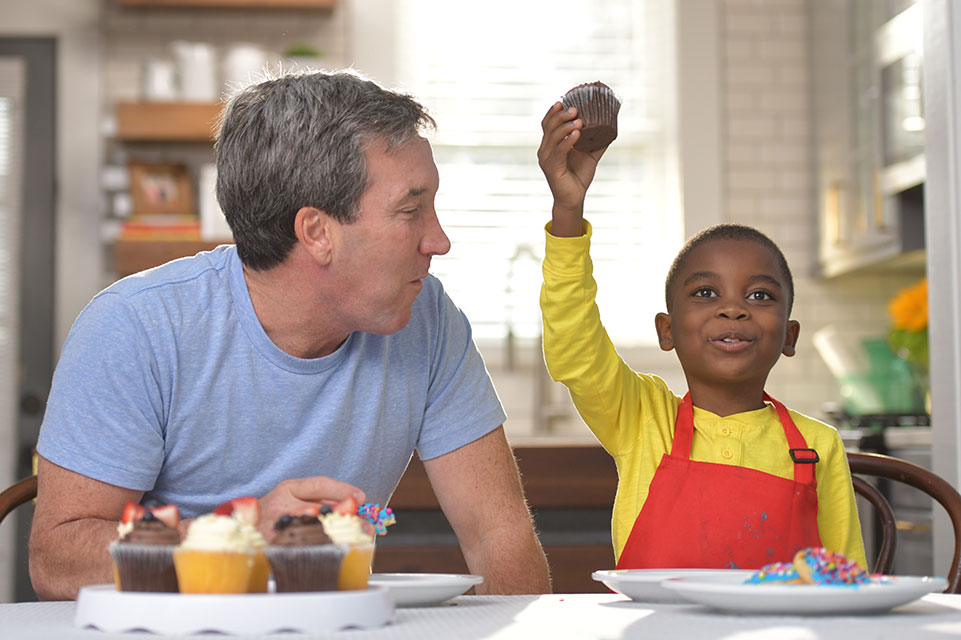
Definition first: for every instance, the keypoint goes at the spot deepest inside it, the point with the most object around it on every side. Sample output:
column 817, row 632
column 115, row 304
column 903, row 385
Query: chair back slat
column 883, row 466
column 17, row 494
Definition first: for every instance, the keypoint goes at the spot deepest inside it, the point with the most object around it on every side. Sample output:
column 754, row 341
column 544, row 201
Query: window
column 488, row 76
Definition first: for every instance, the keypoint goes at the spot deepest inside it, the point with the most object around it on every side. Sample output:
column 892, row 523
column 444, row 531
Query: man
column 302, row 365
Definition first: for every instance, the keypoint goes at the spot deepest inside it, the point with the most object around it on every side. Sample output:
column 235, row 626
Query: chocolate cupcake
column 597, row 106
column 143, row 552
column 302, row 556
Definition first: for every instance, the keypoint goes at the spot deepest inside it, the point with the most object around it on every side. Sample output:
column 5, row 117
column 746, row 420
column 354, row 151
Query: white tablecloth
column 560, row 616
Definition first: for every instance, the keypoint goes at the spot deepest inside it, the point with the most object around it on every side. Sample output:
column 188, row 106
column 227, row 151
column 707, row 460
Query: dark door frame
column 37, row 244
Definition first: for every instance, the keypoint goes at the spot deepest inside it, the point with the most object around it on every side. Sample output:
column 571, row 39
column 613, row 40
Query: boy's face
column 729, row 315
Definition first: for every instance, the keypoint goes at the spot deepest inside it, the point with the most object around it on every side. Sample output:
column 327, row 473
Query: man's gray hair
column 298, row 140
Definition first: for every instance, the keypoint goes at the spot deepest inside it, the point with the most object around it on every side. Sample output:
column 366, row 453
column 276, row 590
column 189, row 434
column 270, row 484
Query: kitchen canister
column 243, row 63
column 197, row 71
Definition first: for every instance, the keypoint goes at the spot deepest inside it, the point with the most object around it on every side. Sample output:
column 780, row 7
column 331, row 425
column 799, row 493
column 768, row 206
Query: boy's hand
column 569, row 172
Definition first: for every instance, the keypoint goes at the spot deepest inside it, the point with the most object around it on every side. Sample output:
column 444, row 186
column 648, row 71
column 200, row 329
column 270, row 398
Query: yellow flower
column 909, row 309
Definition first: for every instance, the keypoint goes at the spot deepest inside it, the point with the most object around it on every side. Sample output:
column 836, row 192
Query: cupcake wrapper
column 144, row 567
column 597, row 106
column 308, row 568
column 202, row 571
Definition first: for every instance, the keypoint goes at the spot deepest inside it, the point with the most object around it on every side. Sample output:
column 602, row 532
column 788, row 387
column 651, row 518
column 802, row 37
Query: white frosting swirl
column 218, row 533
column 345, row 529
column 123, row 529
column 253, row 537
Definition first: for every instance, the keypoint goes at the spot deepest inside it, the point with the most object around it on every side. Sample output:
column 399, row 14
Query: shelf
column 131, row 256
column 167, row 121
column 232, row 4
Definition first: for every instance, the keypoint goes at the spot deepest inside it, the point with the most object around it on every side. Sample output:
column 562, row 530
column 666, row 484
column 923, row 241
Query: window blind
column 488, row 75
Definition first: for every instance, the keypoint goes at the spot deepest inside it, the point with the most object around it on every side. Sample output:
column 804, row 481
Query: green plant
column 302, row 50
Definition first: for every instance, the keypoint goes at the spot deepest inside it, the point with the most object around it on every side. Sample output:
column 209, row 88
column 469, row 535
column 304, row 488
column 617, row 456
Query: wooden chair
column 883, row 466
column 17, row 494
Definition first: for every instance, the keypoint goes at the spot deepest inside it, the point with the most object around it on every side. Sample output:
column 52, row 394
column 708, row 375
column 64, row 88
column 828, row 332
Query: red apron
column 719, row 516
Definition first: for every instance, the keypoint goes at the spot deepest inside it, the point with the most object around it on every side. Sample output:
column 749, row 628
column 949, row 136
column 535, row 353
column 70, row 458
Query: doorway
column 27, row 256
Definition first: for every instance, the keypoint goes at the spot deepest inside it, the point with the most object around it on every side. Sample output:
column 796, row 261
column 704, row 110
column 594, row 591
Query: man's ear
column 662, row 324
column 313, row 230
column 790, row 340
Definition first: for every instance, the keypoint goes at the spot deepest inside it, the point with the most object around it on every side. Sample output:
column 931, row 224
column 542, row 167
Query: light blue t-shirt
column 168, row 384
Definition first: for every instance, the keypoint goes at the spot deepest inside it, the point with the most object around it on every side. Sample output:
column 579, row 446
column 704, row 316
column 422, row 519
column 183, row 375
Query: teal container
column 889, row 386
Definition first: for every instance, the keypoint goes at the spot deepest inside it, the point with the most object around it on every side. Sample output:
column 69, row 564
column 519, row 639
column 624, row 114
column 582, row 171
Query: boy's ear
column 790, row 339
column 662, row 324
column 313, row 230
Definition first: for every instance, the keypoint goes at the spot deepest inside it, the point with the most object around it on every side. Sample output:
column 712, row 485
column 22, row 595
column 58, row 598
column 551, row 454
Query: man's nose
column 435, row 241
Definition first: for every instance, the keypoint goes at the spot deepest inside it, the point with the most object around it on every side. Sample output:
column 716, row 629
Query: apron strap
column 803, row 457
column 683, row 428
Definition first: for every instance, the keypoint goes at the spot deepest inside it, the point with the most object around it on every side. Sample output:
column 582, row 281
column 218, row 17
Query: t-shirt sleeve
column 462, row 404
column 105, row 413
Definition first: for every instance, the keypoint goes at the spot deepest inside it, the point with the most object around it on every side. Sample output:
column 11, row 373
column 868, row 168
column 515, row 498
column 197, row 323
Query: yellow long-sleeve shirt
column 632, row 414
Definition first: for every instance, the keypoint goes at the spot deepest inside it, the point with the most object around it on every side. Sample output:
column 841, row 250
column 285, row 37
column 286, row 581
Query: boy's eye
column 704, row 292
column 760, row 296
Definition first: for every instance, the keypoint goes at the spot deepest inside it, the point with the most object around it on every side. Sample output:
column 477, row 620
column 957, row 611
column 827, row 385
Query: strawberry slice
column 169, row 514
column 132, row 511
column 246, row 508
column 347, row 507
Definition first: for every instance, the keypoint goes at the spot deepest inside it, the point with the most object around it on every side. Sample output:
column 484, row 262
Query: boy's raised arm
column 569, row 172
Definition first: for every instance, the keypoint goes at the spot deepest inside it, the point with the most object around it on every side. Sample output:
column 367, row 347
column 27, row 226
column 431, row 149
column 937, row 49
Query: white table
column 559, row 617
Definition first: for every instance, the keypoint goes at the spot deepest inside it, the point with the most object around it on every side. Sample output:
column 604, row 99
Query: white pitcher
column 197, row 71
column 243, row 63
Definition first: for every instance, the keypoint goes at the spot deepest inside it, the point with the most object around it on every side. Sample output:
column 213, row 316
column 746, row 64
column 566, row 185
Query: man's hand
column 569, row 172
column 293, row 496
column 479, row 489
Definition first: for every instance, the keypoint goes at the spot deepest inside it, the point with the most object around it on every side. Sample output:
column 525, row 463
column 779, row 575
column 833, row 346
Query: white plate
column 422, row 589
column 107, row 609
column 729, row 593
column 644, row 585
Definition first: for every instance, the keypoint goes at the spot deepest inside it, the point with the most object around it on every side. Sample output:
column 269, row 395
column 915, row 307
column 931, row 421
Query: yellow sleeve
column 838, row 522
column 607, row 393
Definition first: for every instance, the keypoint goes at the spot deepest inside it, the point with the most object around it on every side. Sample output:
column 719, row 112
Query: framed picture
column 160, row 188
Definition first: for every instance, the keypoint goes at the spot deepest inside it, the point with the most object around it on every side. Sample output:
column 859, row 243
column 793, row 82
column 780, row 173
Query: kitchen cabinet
column 868, row 129
column 569, row 486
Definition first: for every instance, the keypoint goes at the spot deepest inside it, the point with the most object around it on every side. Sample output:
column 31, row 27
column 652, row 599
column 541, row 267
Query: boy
column 725, row 477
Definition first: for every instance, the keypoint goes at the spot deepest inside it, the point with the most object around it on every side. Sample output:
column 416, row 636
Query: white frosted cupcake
column 351, row 530
column 216, row 556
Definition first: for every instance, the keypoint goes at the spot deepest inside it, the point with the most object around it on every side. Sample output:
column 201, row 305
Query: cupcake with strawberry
column 355, row 526
column 246, row 511
column 220, row 552
column 143, row 551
